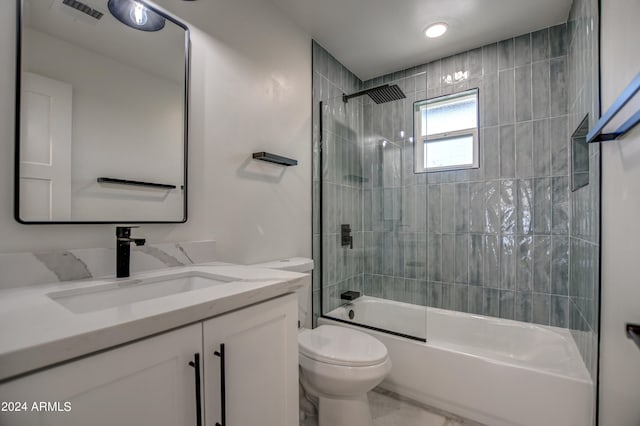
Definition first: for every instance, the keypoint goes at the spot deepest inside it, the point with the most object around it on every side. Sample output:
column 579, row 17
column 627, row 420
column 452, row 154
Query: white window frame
column 420, row 141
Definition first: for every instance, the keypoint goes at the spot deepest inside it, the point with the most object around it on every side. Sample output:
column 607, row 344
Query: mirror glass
column 102, row 102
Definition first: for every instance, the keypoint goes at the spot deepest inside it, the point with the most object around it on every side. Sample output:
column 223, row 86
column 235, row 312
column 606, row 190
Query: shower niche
column 580, row 156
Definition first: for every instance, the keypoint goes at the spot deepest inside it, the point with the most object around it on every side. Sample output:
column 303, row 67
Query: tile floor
column 389, row 409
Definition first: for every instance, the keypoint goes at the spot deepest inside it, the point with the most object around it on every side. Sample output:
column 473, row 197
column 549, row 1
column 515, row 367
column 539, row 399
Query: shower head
column 380, row 94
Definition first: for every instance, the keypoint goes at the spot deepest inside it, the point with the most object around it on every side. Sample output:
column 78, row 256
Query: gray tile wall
column 340, row 173
column 584, row 238
column 508, row 239
column 395, row 199
column 495, row 240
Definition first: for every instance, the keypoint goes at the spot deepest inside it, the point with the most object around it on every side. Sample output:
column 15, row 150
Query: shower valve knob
column 345, row 236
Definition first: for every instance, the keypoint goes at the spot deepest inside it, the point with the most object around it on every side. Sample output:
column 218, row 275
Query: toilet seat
column 342, row 346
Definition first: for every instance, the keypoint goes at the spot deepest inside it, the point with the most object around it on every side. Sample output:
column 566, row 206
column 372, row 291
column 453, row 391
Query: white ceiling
column 375, row 37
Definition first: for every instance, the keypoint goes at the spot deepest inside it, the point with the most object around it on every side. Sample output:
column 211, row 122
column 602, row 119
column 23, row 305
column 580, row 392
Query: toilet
column 338, row 365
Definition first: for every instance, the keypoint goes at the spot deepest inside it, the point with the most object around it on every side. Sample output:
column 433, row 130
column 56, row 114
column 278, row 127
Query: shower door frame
column 321, row 226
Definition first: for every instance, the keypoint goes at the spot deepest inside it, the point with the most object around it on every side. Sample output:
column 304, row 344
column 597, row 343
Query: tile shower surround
column 496, row 237
column 342, row 140
column 584, row 238
column 492, row 240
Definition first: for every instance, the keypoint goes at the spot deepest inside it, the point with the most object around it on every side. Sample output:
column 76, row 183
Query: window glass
column 446, row 132
column 449, row 116
column 457, row 150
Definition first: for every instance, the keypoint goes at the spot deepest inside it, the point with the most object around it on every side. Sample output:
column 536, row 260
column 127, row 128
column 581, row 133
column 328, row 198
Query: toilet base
column 344, row 412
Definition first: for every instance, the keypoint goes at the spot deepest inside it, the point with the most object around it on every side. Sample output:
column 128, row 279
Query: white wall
column 620, row 358
column 250, row 91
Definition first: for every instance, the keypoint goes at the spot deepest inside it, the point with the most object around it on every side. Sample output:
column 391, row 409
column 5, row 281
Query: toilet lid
column 341, row 346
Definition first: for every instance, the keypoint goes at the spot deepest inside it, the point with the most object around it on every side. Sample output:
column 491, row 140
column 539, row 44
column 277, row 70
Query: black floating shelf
column 596, row 135
column 276, row 159
column 135, row 183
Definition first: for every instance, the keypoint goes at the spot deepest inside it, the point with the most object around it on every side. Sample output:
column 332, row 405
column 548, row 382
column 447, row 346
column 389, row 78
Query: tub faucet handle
column 349, row 295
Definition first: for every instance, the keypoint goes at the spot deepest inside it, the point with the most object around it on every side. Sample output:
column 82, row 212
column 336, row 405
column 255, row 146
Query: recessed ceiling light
column 436, row 30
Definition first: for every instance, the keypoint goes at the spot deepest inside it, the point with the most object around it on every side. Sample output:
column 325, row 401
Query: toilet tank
column 297, row 264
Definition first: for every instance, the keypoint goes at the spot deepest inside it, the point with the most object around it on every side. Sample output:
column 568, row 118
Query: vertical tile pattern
column 339, row 181
column 541, row 86
column 522, row 50
column 523, row 93
column 505, row 54
column 540, row 45
column 491, row 152
column 579, row 312
column 558, row 86
column 491, row 241
column 524, row 149
column 507, row 151
column 506, row 98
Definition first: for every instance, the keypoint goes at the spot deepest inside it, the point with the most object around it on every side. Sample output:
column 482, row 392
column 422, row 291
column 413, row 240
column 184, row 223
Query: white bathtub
column 495, row 371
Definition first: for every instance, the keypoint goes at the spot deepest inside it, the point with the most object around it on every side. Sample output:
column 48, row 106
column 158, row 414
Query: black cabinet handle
column 196, row 366
column 223, row 397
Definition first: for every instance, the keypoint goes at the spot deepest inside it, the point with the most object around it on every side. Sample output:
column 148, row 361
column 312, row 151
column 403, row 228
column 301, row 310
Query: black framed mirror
column 101, row 113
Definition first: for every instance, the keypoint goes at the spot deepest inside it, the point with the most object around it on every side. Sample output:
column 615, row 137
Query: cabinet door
column 260, row 365
column 149, row 382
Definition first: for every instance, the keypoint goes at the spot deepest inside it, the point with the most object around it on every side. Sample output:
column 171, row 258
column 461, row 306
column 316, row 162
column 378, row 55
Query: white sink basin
column 125, row 292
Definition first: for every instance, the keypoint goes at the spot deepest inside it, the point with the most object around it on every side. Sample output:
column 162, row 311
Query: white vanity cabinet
column 151, row 382
column 256, row 350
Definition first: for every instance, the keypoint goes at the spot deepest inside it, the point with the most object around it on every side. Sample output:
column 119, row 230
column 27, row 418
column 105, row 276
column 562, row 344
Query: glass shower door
column 373, row 220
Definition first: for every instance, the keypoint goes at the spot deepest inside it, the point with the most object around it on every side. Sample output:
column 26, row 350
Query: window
column 446, row 132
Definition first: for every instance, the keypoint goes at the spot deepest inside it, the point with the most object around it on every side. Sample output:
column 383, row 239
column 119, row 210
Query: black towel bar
column 596, row 135
column 134, row 183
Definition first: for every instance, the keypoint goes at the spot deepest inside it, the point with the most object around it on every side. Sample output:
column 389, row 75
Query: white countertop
column 36, row 331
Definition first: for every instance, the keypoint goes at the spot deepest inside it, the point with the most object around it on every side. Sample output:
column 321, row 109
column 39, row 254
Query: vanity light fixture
column 136, row 14
column 436, row 30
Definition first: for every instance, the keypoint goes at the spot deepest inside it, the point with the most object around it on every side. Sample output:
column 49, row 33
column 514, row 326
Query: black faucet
column 123, row 249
